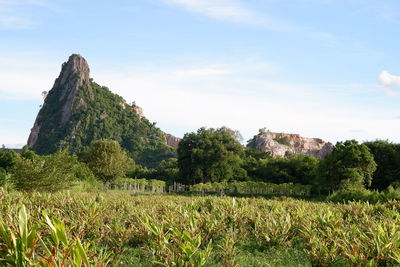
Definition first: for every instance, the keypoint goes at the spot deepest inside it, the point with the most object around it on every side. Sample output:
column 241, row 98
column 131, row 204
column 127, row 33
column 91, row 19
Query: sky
column 320, row 68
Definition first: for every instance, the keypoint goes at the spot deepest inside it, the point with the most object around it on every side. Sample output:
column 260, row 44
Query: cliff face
column 172, row 141
column 282, row 144
column 77, row 111
column 74, row 75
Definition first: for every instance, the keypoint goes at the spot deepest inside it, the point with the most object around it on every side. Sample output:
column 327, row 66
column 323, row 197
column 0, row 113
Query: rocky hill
column 283, row 144
column 77, row 111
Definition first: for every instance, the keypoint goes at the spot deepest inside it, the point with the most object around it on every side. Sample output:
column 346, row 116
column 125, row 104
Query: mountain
column 283, row 144
column 77, row 111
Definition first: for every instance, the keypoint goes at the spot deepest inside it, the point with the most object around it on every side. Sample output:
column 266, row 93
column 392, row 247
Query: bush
column 3, row 176
column 44, row 173
column 365, row 195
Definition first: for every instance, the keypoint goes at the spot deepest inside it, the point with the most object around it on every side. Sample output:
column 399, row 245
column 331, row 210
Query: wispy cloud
column 14, row 17
column 235, row 11
column 390, row 83
column 229, row 10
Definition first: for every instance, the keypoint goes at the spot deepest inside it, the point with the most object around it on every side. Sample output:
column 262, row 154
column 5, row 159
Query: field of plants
column 115, row 228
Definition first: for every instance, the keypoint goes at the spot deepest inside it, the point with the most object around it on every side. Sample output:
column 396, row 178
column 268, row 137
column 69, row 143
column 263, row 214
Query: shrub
column 46, row 173
column 365, row 195
column 3, row 176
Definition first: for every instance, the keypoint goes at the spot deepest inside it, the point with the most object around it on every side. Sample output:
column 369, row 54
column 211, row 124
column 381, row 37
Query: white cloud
column 390, row 83
column 388, row 79
column 229, row 10
column 15, row 23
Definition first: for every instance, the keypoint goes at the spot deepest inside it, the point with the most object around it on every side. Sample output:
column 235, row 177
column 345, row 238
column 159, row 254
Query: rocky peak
column 283, row 144
column 74, row 76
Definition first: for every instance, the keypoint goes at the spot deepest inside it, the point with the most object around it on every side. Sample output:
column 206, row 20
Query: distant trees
column 168, row 170
column 295, row 169
column 210, row 155
column 349, row 166
column 107, row 160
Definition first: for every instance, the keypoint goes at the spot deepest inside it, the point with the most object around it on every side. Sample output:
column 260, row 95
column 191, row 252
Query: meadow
column 116, row 228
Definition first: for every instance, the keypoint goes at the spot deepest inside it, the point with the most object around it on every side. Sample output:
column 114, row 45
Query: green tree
column 168, row 170
column 7, row 159
column 349, row 166
column 387, row 157
column 210, row 155
column 27, row 153
column 44, row 173
column 107, row 160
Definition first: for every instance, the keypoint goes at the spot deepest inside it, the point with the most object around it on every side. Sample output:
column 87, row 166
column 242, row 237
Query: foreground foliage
column 167, row 230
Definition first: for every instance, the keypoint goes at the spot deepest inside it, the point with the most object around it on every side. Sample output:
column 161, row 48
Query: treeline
column 215, row 155
column 209, row 156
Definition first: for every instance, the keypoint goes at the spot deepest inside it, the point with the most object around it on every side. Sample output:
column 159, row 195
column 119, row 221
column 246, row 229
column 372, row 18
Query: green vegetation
column 92, row 229
column 282, row 139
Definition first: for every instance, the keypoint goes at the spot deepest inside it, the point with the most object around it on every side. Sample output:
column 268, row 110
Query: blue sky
column 320, row 68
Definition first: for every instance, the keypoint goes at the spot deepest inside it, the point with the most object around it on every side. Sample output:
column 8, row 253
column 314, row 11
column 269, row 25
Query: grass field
column 115, row 228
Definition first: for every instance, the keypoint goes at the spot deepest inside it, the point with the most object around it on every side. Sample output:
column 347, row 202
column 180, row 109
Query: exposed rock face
column 138, row 111
column 74, row 76
column 282, row 145
column 172, row 140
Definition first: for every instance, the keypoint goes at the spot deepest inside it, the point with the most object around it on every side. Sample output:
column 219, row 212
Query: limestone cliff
column 283, row 144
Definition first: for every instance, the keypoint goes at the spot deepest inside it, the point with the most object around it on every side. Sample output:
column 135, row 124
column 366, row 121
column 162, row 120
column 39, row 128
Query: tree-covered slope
column 77, row 111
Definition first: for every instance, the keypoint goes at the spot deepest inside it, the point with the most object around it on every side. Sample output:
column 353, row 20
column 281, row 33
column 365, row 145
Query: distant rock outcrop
column 172, row 140
column 283, row 145
column 138, row 111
